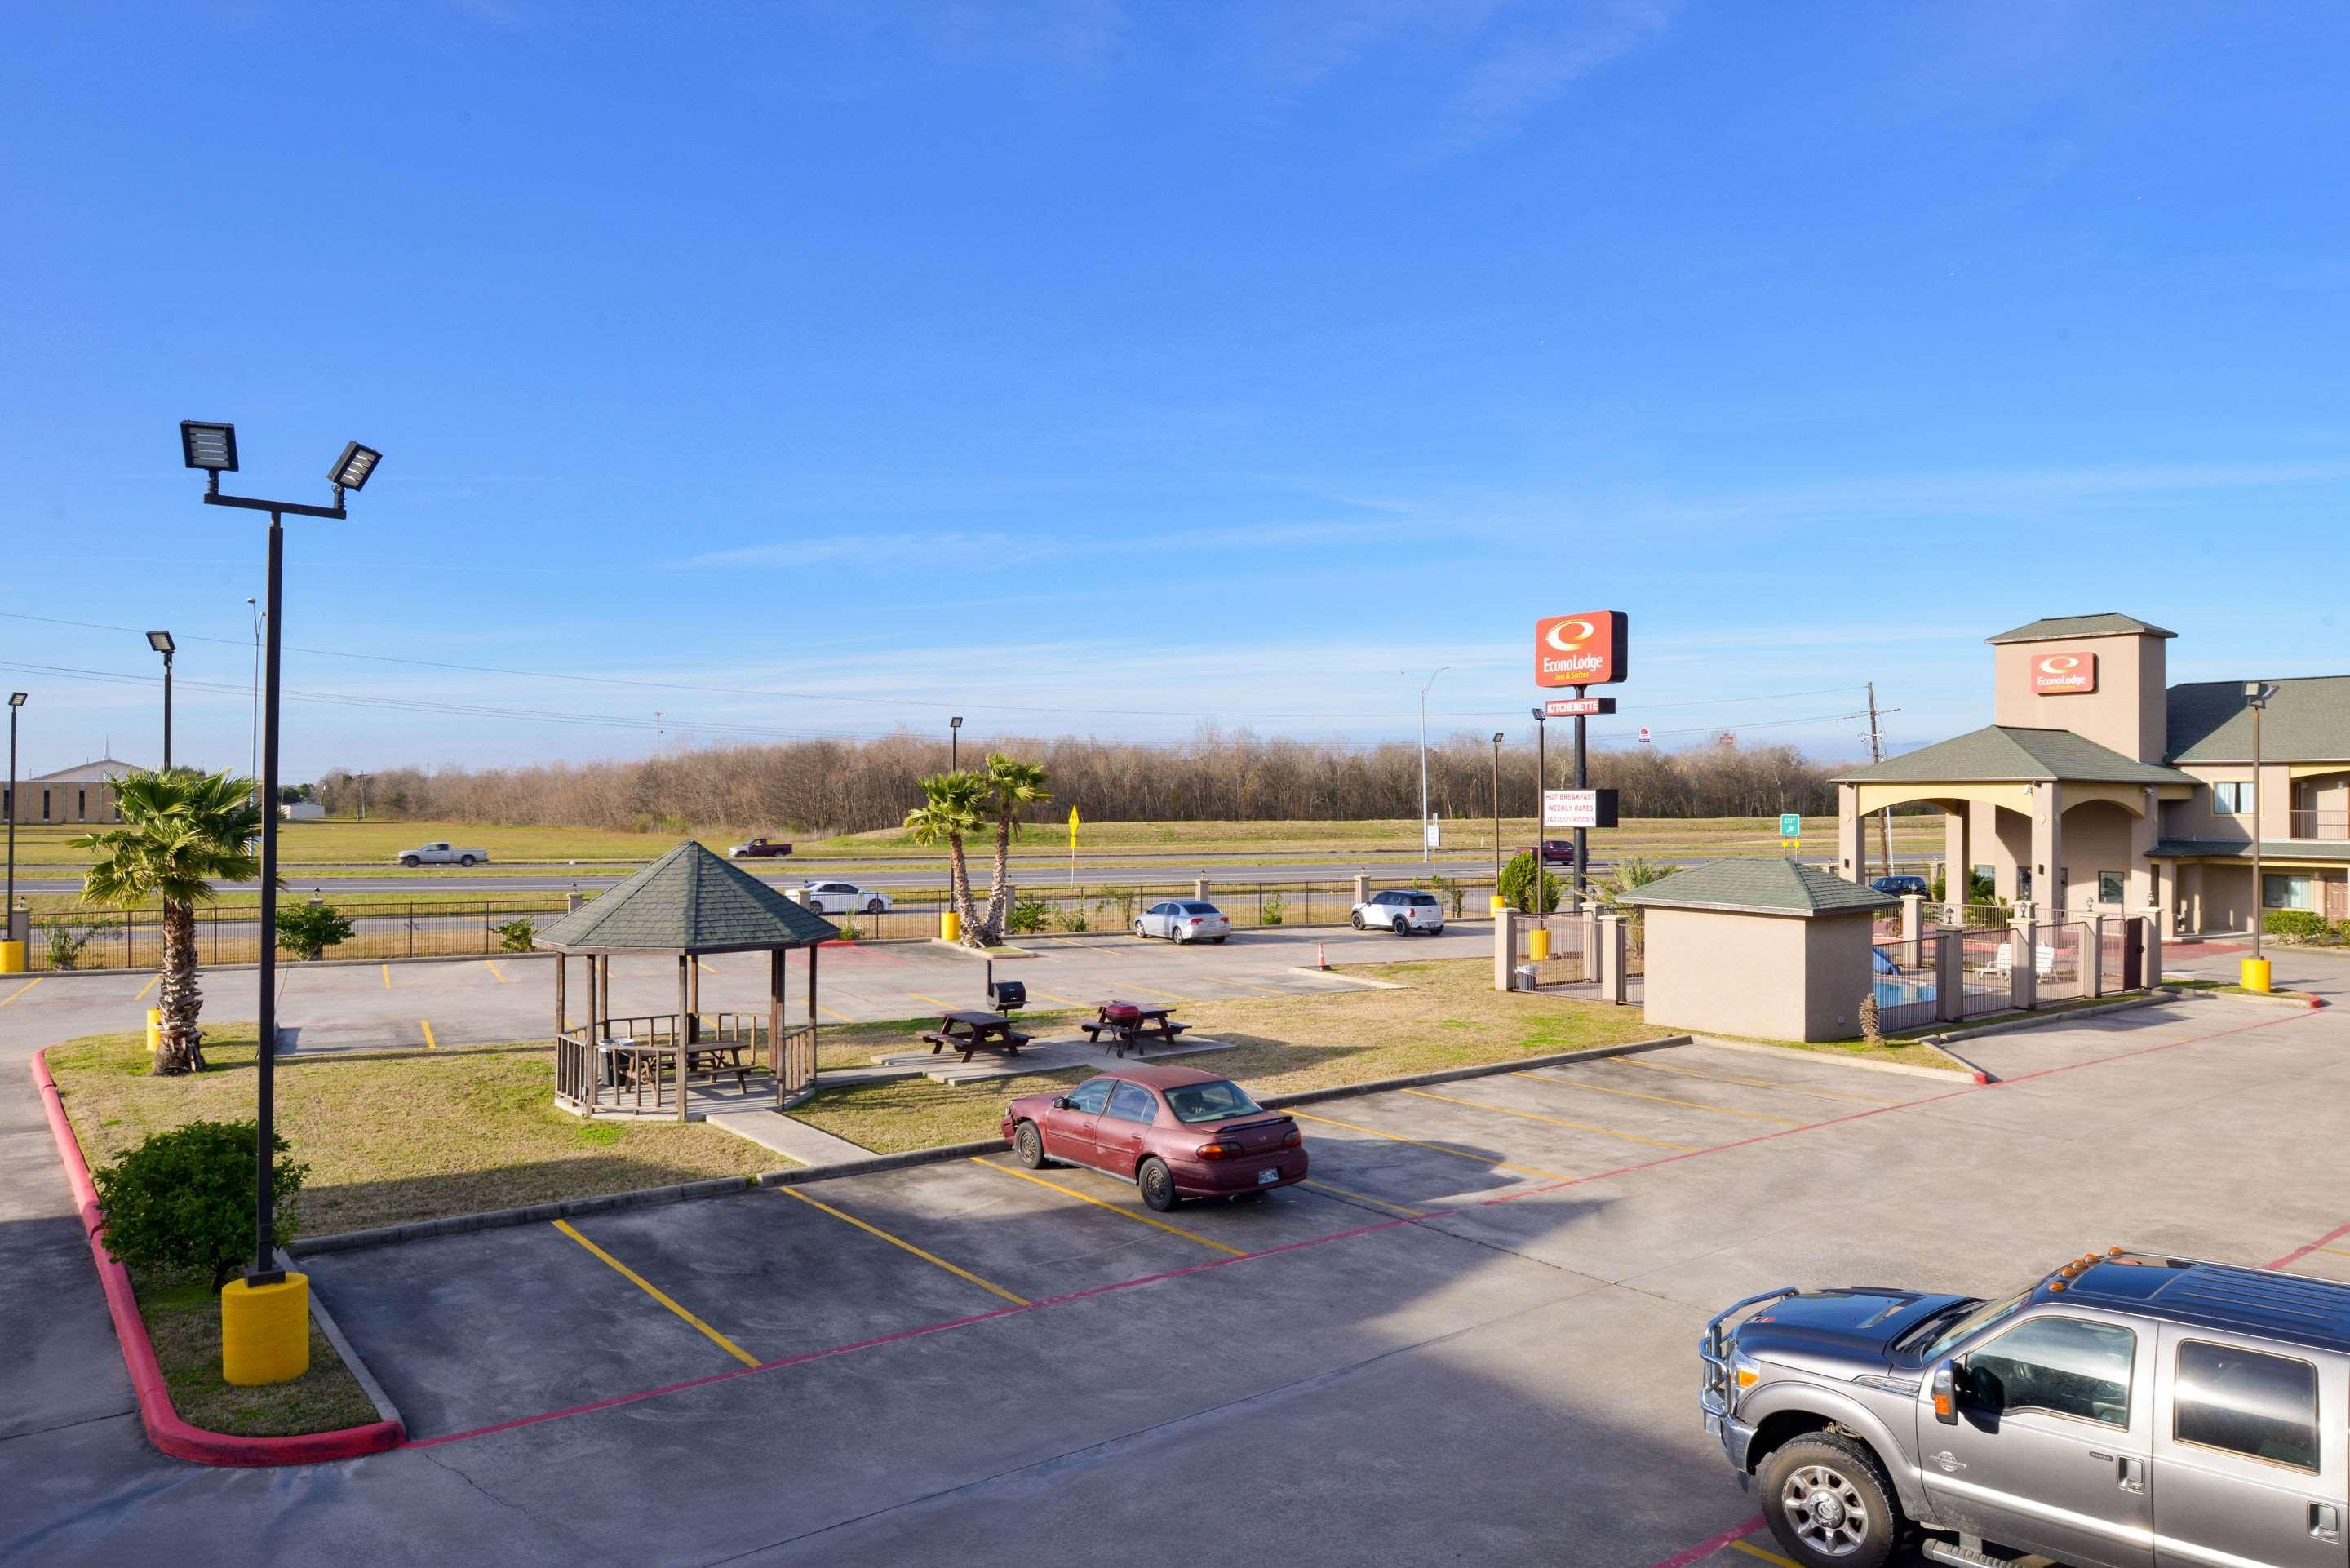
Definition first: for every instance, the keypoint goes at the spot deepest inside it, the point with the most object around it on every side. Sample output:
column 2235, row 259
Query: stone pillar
column 1958, row 853
column 1505, row 947
column 1913, row 930
column 1852, row 836
column 1199, row 887
column 1950, row 975
column 2153, row 949
column 570, row 902
column 2141, row 882
column 2191, row 896
column 2092, row 952
column 2023, row 962
column 2048, row 848
column 1608, row 945
column 1362, row 889
column 20, row 926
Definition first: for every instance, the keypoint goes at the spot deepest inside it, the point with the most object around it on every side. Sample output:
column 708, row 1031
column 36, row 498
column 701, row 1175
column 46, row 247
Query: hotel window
column 2286, row 891
column 2109, row 887
column 2233, row 799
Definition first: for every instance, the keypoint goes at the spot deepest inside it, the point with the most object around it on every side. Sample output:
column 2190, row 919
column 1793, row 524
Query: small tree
column 1522, row 882
column 517, row 935
column 184, row 1198
column 1274, row 912
column 1872, row 1031
column 1073, row 918
column 67, row 940
column 1028, row 916
column 307, row 931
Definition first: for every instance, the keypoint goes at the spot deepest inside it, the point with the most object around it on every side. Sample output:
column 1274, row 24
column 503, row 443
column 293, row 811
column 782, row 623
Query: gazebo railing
column 581, row 1071
column 794, row 1060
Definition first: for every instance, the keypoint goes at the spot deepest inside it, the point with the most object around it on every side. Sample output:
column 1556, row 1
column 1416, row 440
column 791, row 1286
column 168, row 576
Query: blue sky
column 1119, row 370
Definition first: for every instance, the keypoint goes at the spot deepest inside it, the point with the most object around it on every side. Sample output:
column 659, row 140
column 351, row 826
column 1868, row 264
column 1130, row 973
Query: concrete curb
column 2044, row 1021
column 2303, row 1000
column 500, row 1219
column 1363, row 981
column 170, row 1434
column 359, row 1369
column 1783, row 1051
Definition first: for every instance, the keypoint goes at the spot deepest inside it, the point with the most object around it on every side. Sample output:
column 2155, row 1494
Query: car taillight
column 1198, row 921
column 1292, row 1139
column 1218, row 1151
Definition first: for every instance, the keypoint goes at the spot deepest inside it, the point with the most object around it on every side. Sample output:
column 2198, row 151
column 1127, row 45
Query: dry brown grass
column 395, row 1138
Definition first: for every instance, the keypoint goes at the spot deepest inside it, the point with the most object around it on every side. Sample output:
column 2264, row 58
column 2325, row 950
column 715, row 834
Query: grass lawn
column 1447, row 1016
column 183, row 1322
column 396, row 1139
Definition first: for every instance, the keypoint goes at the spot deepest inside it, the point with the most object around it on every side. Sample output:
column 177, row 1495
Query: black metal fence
column 380, row 928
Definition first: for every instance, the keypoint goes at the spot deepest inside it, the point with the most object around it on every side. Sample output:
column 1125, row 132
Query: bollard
column 950, row 926
column 1497, row 903
column 2253, row 975
column 265, row 1330
column 12, row 958
column 1538, row 945
column 155, row 1034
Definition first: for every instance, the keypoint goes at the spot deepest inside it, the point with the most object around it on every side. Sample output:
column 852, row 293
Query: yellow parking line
column 152, row 983
column 430, row 1043
column 1359, row 1197
column 934, row 1001
column 1758, row 1083
column 704, row 967
column 829, row 1014
column 2337, row 1252
column 495, row 970
column 1753, row 1550
column 28, row 986
column 1554, row 1121
column 733, row 1349
column 1113, row 1208
column 1062, row 999
column 1440, row 1149
column 1667, row 1099
column 1251, row 985
column 1145, row 991
column 387, row 977
column 909, row 1246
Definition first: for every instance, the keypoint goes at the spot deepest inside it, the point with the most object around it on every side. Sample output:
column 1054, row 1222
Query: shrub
column 1122, row 899
column 1073, row 918
column 1028, row 917
column 66, row 942
column 517, row 935
column 1273, row 914
column 2296, row 925
column 184, row 1200
column 850, row 929
column 307, row 931
column 1523, row 881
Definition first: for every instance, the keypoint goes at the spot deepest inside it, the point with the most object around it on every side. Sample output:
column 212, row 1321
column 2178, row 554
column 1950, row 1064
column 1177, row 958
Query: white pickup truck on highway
column 442, row 855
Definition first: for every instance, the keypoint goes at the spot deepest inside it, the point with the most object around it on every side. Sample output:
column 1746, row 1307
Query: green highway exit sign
column 1790, row 825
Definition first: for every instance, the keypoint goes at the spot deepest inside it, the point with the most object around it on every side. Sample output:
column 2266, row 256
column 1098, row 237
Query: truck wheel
column 1828, row 1501
column 409, row 861
column 465, row 860
column 1356, row 920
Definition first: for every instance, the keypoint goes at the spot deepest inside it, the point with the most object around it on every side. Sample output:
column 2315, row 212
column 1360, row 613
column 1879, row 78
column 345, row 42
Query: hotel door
column 2337, row 897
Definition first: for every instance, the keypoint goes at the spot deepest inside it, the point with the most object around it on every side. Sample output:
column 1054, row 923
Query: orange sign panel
column 2063, row 673
column 1584, row 650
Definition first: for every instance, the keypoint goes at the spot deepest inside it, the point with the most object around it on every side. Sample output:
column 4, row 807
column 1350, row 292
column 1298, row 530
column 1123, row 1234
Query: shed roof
column 1771, row 887
column 2104, row 623
column 2002, row 753
column 688, row 901
column 2308, row 721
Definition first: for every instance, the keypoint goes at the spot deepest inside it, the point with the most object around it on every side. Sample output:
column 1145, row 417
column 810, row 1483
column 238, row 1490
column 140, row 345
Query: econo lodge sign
column 2062, row 673
column 1580, row 649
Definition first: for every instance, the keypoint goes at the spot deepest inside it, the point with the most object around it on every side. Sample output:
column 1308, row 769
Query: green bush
column 1273, row 914
column 2297, row 925
column 1028, row 917
column 184, row 1200
column 850, row 929
column 66, row 942
column 1073, row 918
column 307, row 931
column 1122, row 899
column 517, row 935
column 1521, row 879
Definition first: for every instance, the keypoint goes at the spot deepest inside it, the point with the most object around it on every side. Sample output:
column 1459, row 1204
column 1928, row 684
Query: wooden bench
column 1006, row 1043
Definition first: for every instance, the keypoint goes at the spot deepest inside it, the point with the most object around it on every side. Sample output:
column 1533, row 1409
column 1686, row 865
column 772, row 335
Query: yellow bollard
column 2253, row 973
column 1538, row 945
column 265, row 1330
column 12, row 958
column 950, row 926
column 154, row 1030
column 1497, row 904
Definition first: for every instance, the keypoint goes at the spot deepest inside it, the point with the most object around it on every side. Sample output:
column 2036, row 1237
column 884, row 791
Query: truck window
column 2064, row 1366
column 2241, row 1402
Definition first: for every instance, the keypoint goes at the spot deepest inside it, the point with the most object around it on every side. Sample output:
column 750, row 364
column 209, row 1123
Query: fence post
column 1949, row 974
column 2023, row 963
column 2150, row 960
column 412, row 928
column 1362, row 888
column 2094, row 940
column 1913, row 928
column 1198, row 886
column 1609, row 932
column 1505, row 948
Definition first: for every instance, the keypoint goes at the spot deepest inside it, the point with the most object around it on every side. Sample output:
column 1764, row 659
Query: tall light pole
column 954, row 744
column 161, row 641
column 1542, row 787
column 361, row 779
column 1425, row 853
column 11, row 951
column 212, row 448
column 2256, row 697
column 1497, row 819
column 252, row 768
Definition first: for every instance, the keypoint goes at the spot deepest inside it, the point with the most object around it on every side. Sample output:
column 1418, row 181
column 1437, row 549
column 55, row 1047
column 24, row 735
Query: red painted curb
column 164, row 1428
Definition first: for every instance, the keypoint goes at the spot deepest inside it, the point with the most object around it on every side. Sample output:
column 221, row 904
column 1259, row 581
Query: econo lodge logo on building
column 1580, row 649
column 2061, row 674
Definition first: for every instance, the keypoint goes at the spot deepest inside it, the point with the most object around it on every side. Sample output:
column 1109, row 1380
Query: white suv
column 1402, row 913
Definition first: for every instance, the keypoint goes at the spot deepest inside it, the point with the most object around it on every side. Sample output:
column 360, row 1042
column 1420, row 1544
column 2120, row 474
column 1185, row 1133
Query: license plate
column 1266, row 1177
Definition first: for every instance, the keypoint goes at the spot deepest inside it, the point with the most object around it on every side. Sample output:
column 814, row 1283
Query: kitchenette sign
column 2063, row 673
column 1585, row 649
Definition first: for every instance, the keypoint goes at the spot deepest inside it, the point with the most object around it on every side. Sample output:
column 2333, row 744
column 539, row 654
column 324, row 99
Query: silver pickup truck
column 442, row 855
column 2127, row 1411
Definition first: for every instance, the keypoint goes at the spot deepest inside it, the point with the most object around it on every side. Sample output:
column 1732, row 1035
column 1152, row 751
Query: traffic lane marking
column 934, row 1001
column 728, row 1346
column 1703, row 1549
column 1554, row 1121
column 1113, row 1208
column 1667, row 1099
column 909, row 1246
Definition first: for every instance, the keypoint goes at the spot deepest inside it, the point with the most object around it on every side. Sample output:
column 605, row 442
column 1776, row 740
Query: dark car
column 1897, row 886
column 1558, row 852
column 759, row 849
column 1174, row 1132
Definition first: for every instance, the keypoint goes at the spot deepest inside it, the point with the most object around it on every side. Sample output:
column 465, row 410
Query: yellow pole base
column 2253, row 975
column 950, row 926
column 265, row 1330
column 1538, row 944
column 1497, row 903
column 154, row 1030
column 12, row 958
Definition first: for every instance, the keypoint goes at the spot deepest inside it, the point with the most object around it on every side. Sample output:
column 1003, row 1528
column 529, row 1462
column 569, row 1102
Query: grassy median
column 1445, row 1013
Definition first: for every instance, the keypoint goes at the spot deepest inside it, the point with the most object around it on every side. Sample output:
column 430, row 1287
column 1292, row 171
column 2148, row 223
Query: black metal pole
column 265, row 1270
column 167, row 712
column 1582, row 781
column 1542, row 817
column 8, row 910
column 1497, row 818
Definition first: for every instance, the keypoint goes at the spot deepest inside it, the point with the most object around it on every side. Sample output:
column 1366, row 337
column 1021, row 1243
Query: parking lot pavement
column 1470, row 1339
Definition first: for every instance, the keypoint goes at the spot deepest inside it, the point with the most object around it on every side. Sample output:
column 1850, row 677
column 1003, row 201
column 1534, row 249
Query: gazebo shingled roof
column 688, row 901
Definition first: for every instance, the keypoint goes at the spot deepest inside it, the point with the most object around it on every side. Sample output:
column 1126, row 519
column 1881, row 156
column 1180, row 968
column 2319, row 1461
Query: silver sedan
column 1183, row 920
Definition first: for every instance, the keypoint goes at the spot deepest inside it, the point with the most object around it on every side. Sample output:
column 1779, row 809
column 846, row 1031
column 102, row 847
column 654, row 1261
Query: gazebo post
column 562, row 1015
column 684, row 981
column 814, row 948
column 692, row 997
column 595, row 1044
column 775, row 1013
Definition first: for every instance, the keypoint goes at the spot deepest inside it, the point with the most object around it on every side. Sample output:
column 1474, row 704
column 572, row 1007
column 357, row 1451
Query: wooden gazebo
column 688, row 903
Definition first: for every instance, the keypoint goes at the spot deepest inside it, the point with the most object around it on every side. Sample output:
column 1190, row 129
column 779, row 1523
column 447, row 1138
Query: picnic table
column 630, row 1064
column 1130, row 1023
column 972, row 1033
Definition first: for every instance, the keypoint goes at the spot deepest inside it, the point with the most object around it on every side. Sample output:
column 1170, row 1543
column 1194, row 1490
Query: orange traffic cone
column 1320, row 959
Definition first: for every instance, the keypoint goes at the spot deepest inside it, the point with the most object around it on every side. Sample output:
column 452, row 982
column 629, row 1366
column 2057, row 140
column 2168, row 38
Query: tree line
column 814, row 787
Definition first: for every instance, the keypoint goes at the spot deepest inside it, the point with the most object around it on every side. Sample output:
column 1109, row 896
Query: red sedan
column 1174, row 1132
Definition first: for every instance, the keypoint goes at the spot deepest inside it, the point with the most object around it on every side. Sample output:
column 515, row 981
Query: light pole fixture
column 212, row 447
column 161, row 641
column 954, row 744
column 12, row 947
column 1425, row 853
column 2255, row 976
column 1497, row 819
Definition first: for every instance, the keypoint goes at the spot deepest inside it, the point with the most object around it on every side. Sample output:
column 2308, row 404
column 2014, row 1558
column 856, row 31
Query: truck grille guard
column 1715, row 1396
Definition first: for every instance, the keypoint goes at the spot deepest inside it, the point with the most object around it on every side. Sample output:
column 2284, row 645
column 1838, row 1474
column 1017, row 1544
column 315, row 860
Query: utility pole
column 1425, row 853
column 1884, row 818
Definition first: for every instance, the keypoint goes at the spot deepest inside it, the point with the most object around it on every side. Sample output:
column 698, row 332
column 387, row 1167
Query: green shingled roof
column 2104, row 623
column 2004, row 754
column 2308, row 721
column 688, row 901
column 1770, row 887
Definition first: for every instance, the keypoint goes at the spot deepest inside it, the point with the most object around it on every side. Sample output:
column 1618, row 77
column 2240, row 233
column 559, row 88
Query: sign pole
column 1541, row 787
column 1582, row 843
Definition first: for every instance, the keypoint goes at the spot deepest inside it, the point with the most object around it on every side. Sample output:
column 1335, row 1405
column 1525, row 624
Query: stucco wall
column 1837, row 973
column 1777, row 977
column 2127, row 712
column 2096, row 837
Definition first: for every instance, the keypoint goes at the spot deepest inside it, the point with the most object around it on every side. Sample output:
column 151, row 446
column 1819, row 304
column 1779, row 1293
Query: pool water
column 1893, row 991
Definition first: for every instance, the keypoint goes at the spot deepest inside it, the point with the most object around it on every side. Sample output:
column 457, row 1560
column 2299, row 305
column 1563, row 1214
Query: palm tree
column 1010, row 787
column 182, row 830
column 1634, row 872
column 949, row 810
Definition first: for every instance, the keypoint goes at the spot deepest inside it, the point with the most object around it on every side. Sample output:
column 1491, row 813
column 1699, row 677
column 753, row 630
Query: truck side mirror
column 1946, row 1394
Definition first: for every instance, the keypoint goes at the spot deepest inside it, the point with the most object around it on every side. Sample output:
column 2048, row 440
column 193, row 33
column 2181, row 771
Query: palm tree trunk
column 182, row 999
column 959, row 870
column 998, row 890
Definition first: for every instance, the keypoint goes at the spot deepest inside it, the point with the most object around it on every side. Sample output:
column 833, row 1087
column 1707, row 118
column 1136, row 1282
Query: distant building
column 84, row 793
column 303, row 811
